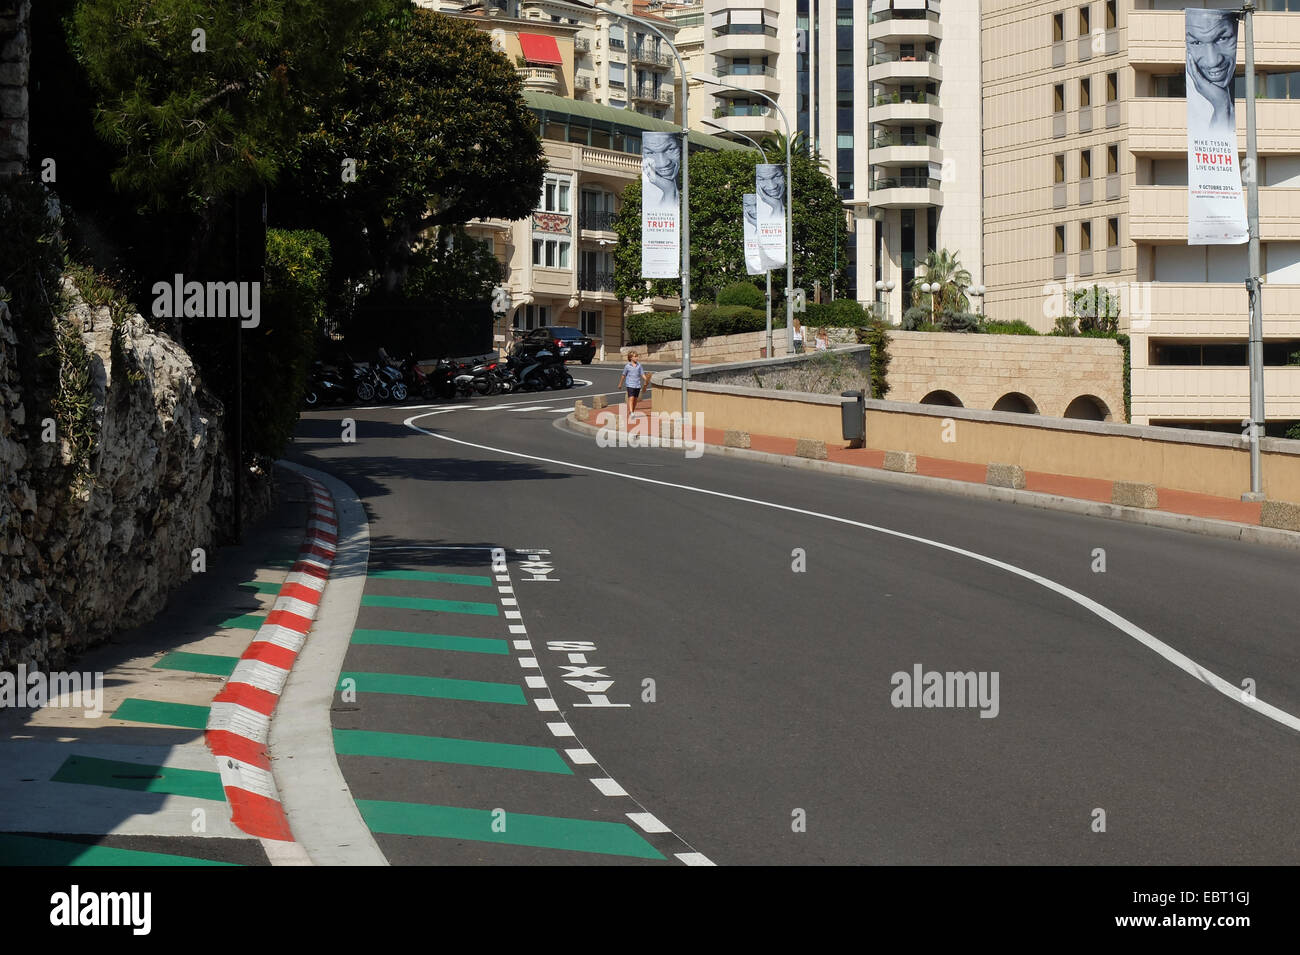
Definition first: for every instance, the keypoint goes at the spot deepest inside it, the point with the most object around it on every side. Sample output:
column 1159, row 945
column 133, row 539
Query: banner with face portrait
column 1216, row 210
column 661, row 163
column 769, row 187
column 754, row 264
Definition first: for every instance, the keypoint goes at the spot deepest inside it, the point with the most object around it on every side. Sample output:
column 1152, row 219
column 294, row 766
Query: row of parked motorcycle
column 384, row 379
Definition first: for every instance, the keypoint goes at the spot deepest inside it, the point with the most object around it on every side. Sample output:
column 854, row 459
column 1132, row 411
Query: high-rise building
column 1085, row 169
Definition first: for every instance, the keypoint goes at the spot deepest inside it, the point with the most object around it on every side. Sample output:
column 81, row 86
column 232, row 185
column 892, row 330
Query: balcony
column 1159, row 214
column 1158, row 124
column 905, row 192
column 608, row 160
column 650, row 94
column 889, row 27
column 581, row 44
column 1180, row 391
column 760, row 78
column 742, row 44
column 601, row 221
column 891, row 148
column 542, row 79
column 1208, row 310
column 1158, row 38
column 649, row 57
column 596, row 282
column 907, row 109
column 582, row 82
column 891, row 66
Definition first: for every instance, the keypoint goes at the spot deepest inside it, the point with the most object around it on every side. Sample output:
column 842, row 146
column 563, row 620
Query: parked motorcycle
column 325, row 383
column 390, row 374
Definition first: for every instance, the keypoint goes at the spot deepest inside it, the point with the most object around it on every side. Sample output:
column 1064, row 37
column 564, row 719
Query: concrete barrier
column 1281, row 514
column 599, row 401
column 1005, row 475
column 904, row 461
column 1134, row 494
column 581, row 411
column 808, row 448
column 735, row 439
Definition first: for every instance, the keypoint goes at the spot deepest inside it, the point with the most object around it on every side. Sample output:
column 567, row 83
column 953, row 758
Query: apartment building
column 887, row 91
column 1085, row 182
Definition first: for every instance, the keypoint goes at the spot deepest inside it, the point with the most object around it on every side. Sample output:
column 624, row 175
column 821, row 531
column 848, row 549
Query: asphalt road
column 753, row 715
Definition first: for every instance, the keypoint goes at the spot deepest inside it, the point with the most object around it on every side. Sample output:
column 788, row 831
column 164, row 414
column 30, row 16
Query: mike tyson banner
column 661, row 200
column 769, row 185
column 1216, row 211
column 754, row 264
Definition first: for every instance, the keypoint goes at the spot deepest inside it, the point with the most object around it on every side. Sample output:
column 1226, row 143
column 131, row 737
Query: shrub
column 743, row 293
column 1064, row 325
column 959, row 322
column 841, row 313
column 653, row 328
column 916, row 317
column 876, row 334
column 1293, row 432
column 1016, row 327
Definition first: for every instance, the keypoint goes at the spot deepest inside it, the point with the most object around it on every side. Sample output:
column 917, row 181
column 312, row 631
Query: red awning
column 540, row 49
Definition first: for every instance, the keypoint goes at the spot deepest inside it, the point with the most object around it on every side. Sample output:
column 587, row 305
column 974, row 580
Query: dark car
column 572, row 343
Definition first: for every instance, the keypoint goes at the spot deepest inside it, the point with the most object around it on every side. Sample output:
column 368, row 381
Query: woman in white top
column 823, row 340
column 798, row 337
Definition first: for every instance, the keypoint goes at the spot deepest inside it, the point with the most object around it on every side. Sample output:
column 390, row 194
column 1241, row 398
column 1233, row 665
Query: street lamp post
column 768, row 272
column 1253, row 288
column 789, row 205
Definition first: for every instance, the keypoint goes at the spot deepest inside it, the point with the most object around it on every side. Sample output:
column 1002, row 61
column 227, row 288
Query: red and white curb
column 240, row 719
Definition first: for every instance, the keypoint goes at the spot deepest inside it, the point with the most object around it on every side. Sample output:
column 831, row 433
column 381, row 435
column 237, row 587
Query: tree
column 718, row 181
column 945, row 268
column 427, row 130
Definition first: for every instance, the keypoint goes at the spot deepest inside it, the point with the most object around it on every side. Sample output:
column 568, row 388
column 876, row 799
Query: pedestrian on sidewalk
column 798, row 337
column 823, row 340
column 636, row 376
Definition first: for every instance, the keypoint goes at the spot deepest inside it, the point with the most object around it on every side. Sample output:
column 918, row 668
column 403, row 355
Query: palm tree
column 774, row 145
column 945, row 268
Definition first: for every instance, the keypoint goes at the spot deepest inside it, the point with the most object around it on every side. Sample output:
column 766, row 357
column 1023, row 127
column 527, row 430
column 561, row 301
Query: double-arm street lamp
column 789, row 206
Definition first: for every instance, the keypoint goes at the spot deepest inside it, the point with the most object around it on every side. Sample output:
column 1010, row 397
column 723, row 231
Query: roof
column 623, row 117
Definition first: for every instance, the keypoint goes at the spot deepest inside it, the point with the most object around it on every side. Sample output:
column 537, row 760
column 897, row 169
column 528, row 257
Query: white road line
column 580, row 757
column 535, row 682
column 1177, row 658
column 547, row 706
column 647, row 822
column 501, row 577
column 694, row 858
column 528, row 663
column 512, row 614
column 529, row 408
column 505, row 590
column 609, row 787
column 523, row 644
column 560, row 729
column 577, row 658
column 518, row 628
column 560, row 410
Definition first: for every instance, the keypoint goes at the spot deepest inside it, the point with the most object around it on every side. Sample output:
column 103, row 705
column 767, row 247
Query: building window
column 1085, row 93
column 1058, row 245
column 1058, row 168
column 844, row 141
column 555, row 193
column 592, row 323
column 532, row 316
column 1112, row 87
column 1111, row 14
column 1173, row 86
column 551, row 253
column 1085, row 236
column 1112, row 232
column 1058, row 98
column 1085, row 21
column 1085, row 164
column 1058, row 27
column 1112, row 160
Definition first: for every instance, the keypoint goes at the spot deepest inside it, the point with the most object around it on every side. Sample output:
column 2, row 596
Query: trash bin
column 853, row 418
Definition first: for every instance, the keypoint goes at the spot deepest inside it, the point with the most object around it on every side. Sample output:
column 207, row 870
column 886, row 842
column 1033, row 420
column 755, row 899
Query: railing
column 886, row 15
column 596, row 281
column 721, row 112
column 744, row 29
column 582, row 82
column 616, row 44
column 742, row 69
column 642, row 55
column 581, row 44
column 900, row 139
column 648, row 92
column 537, row 75
column 599, row 221
column 906, row 182
column 885, row 57
column 925, row 99
column 626, row 162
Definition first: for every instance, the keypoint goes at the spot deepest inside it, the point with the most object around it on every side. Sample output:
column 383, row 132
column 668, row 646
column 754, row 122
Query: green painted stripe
column 543, row 832
column 437, row 749
column 472, row 580
column 433, row 686
column 139, row 777
column 34, row 850
column 260, row 587
column 209, row 663
column 425, row 603
column 166, row 714
column 429, row 641
column 245, row 621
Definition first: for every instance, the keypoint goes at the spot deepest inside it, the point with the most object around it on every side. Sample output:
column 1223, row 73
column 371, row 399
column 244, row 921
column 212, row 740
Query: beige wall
column 980, row 369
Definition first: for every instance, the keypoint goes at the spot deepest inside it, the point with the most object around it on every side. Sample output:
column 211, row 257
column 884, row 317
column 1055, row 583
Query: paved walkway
column 1170, row 500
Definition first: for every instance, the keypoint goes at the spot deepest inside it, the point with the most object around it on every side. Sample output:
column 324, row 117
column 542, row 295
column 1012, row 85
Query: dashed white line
column 509, row 602
column 580, row 757
column 560, row 729
column 518, row 628
column 577, row 658
column 609, row 787
column 547, row 706
column 523, row 644
column 512, row 614
column 694, row 858
column 647, row 822
column 535, row 682
column 528, row 662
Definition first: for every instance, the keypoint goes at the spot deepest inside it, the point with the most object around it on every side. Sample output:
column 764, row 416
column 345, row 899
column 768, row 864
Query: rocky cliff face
column 79, row 560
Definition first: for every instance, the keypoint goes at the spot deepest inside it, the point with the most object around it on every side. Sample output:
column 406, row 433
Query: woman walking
column 635, row 375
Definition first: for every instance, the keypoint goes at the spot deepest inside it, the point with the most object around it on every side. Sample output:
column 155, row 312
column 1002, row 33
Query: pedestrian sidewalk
column 1085, row 490
column 137, row 783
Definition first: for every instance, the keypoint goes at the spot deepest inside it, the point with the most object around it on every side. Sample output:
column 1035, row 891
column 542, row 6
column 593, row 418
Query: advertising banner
column 1216, row 210
column 769, row 185
column 661, row 200
column 754, row 264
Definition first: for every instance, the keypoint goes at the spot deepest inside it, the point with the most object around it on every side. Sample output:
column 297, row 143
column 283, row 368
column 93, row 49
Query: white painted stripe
column 293, row 605
column 533, row 408
column 314, row 560
column 310, row 581
column 285, row 853
column 509, row 602
column 580, row 757
column 577, row 658
column 518, row 628
column 241, row 775
column 490, row 408
column 523, row 644
column 239, row 720
column 505, row 577
column 647, row 822
column 535, row 682
column 320, row 524
column 562, row 410
column 512, row 615
column 505, row 590
column 560, row 729
column 528, row 662
column 322, row 543
column 1178, row 659
column 259, row 673
column 694, row 858
column 281, row 637
column 547, row 706
column 609, row 787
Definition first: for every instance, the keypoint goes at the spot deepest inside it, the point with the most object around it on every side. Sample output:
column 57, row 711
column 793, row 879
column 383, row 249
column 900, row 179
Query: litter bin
column 853, row 418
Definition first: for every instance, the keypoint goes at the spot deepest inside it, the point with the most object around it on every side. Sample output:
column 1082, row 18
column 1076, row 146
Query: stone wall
column 15, row 61
column 1052, row 371
column 729, row 348
column 814, row 373
column 78, row 564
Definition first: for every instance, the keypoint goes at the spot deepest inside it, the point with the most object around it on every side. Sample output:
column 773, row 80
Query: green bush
column 841, row 313
column 1293, row 432
column 743, row 293
column 278, row 353
column 1015, row 327
column 959, row 322
column 876, row 334
column 916, row 317
column 727, row 320
column 653, row 328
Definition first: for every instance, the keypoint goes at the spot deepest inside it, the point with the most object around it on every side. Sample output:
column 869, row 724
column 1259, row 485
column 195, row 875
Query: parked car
column 572, row 343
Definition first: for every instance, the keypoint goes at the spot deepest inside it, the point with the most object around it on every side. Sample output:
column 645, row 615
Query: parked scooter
column 325, row 383
column 391, row 375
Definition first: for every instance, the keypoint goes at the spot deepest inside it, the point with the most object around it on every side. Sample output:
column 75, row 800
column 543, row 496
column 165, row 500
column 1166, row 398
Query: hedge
column 707, row 321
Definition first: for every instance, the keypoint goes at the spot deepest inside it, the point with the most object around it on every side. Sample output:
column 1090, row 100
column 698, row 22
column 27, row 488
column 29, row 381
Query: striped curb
column 240, row 719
